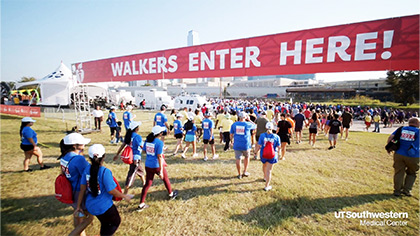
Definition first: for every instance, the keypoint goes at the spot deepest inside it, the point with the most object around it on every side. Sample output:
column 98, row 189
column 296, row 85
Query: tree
column 404, row 86
column 26, row 79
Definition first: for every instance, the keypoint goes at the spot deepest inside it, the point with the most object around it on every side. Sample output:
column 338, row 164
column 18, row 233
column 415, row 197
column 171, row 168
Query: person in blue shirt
column 155, row 165
column 268, row 163
column 240, row 133
column 73, row 163
column 208, row 135
column 29, row 144
column 190, row 138
column 128, row 117
column 178, row 132
column 135, row 141
column 406, row 158
column 99, row 183
column 113, row 124
column 161, row 120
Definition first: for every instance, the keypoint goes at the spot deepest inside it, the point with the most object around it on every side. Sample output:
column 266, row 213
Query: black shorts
column 346, row 126
column 284, row 138
column 206, row 141
column 27, row 148
column 113, row 130
column 164, row 133
column 179, row 136
column 313, row 130
column 298, row 129
column 171, row 127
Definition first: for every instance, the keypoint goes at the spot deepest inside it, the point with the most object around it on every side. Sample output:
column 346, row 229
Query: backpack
column 394, row 144
column 268, row 151
column 127, row 155
column 63, row 188
column 108, row 121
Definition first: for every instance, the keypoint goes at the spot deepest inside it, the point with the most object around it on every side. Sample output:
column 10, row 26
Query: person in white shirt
column 98, row 114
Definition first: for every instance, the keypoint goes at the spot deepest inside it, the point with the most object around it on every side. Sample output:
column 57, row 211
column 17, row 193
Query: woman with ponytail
column 29, row 144
column 100, row 186
column 73, row 163
column 155, row 165
column 133, row 139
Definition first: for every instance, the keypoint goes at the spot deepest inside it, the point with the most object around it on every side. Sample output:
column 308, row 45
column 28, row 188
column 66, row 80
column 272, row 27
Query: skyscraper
column 193, row 38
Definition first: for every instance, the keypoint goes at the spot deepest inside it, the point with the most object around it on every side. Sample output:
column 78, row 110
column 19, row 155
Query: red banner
column 21, row 110
column 389, row 44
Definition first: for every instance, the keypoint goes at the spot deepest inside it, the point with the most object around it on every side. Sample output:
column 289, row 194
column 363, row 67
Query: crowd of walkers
column 253, row 129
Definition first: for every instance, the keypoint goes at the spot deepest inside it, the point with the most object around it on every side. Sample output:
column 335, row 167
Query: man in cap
column 162, row 121
column 113, row 123
column 240, row 132
column 128, row 117
column 208, row 136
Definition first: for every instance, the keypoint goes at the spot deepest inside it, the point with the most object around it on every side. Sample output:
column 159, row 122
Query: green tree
column 404, row 86
column 26, row 79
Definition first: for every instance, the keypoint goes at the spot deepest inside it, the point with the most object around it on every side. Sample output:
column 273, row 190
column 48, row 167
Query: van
column 189, row 101
column 154, row 99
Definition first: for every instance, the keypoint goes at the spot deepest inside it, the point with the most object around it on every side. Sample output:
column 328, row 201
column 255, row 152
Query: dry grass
column 308, row 188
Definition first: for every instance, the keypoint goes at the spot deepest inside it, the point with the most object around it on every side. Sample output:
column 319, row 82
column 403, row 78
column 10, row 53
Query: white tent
column 55, row 87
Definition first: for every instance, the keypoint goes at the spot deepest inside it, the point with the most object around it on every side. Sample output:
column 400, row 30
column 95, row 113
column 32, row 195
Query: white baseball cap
column 158, row 129
column 75, row 138
column 269, row 125
column 96, row 150
column 179, row 115
column 28, row 119
column 134, row 124
column 242, row 114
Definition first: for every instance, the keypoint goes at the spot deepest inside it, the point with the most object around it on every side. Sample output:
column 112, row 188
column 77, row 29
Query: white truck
column 153, row 99
column 189, row 101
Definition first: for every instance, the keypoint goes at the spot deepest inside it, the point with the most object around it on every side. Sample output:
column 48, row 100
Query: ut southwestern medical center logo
column 368, row 218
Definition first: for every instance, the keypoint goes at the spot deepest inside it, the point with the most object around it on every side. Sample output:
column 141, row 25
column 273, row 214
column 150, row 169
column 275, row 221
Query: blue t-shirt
column 264, row 138
column 242, row 135
column 113, row 117
column 127, row 116
column 409, row 142
column 28, row 132
column 136, row 143
column 152, row 150
column 75, row 169
column 299, row 119
column 191, row 131
column 177, row 127
column 161, row 119
column 100, row 204
column 207, row 125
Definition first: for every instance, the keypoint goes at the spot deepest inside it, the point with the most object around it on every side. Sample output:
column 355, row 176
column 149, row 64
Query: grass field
column 308, row 188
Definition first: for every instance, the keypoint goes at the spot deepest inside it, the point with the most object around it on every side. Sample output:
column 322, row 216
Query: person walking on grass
column 73, row 163
column 190, row 138
column 128, row 117
column 314, row 124
column 99, row 183
column 347, row 120
column 208, row 136
column 178, row 132
column 155, row 165
column 226, row 125
column 299, row 119
column 283, row 127
column 133, row 139
column 261, row 123
column 29, row 144
column 98, row 115
column 335, row 128
column 406, row 158
column 112, row 118
column 240, row 133
column 376, row 120
column 268, row 161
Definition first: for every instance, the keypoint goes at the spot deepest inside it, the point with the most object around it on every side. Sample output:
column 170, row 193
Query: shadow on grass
column 31, row 209
column 274, row 214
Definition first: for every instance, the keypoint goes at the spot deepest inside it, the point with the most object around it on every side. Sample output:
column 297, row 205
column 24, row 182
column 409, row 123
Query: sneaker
column 183, row 155
column 29, row 170
column 215, row 156
column 205, row 159
column 173, row 195
column 195, row 155
column 239, row 177
column 406, row 193
column 112, row 141
column 142, row 207
column 331, row 147
column 245, row 174
column 268, row 188
column 397, row 194
column 44, row 167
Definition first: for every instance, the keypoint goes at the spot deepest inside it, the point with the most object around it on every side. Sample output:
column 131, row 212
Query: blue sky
column 36, row 35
